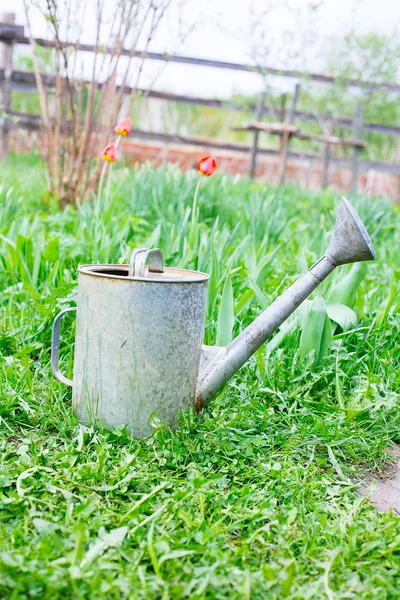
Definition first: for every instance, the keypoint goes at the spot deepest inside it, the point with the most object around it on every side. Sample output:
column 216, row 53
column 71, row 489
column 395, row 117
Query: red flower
column 207, row 165
column 124, row 127
column 110, row 153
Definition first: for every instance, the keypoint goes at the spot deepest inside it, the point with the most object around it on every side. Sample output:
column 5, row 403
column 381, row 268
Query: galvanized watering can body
column 139, row 333
column 138, row 344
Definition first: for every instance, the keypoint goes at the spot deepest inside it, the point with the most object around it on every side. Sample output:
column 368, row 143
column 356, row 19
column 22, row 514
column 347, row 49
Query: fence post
column 7, row 23
column 326, row 153
column 357, row 130
column 286, row 135
column 282, row 108
column 254, row 144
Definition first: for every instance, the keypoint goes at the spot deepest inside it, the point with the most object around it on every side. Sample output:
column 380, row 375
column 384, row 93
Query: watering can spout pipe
column 235, row 354
column 350, row 243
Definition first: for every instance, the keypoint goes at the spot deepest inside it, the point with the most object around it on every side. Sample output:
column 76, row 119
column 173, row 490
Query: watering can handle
column 138, row 260
column 55, row 347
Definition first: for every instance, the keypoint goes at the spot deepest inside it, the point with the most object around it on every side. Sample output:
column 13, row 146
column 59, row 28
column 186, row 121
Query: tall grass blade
column 213, row 281
column 284, row 331
column 226, row 316
column 316, row 334
column 260, row 294
column 244, row 301
column 385, row 306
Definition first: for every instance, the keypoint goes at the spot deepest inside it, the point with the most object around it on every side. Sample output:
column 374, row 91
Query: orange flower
column 124, row 127
column 207, row 165
column 110, row 153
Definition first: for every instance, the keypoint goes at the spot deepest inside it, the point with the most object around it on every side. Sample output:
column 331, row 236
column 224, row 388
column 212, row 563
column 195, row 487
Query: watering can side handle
column 55, row 347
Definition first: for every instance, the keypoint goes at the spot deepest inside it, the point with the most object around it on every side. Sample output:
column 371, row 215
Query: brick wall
column 305, row 174
column 302, row 173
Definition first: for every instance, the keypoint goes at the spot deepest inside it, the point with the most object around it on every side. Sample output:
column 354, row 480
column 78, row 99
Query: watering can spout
column 350, row 243
column 350, row 240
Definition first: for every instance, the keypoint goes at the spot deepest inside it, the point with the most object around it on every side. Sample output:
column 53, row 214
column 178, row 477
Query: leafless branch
column 89, row 108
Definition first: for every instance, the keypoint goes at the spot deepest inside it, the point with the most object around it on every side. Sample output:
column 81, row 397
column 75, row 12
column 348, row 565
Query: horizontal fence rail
column 34, row 123
column 25, row 81
column 17, row 80
column 7, row 35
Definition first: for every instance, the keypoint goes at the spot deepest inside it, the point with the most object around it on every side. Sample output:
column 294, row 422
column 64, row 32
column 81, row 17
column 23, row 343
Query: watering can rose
column 124, row 127
column 110, row 153
column 207, row 165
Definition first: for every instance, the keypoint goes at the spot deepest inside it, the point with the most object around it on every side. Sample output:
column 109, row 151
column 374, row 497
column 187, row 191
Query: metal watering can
column 139, row 333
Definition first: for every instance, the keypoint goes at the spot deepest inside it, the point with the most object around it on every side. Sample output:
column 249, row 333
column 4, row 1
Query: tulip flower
column 207, row 165
column 124, row 127
column 110, row 153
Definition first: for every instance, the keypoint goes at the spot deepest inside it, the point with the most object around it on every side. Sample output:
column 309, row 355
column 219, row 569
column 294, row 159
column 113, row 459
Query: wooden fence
column 12, row 80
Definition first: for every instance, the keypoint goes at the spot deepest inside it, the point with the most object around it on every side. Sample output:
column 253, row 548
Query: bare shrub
column 90, row 89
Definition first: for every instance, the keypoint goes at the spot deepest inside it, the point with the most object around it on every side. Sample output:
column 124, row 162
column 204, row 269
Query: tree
column 283, row 34
column 368, row 57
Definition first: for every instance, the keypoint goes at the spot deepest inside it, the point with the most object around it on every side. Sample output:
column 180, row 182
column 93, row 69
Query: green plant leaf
column 316, row 334
column 284, row 331
column 341, row 314
column 345, row 290
column 244, row 301
column 52, row 250
column 226, row 316
column 213, row 281
column 384, row 307
column 154, row 238
column 260, row 294
column 302, row 311
column 326, row 340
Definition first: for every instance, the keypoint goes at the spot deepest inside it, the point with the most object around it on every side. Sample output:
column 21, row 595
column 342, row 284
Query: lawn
column 256, row 497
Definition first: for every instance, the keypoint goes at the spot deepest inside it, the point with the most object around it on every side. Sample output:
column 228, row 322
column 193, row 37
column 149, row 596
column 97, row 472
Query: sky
column 224, row 31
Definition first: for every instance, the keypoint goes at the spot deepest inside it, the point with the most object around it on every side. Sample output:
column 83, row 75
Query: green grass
column 257, row 496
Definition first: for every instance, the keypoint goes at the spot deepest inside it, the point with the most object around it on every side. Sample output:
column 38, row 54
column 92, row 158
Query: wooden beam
column 25, row 80
column 286, row 136
column 282, row 129
column 326, row 153
column 34, row 123
column 6, row 64
column 254, row 144
column 348, row 123
column 357, row 130
column 272, row 128
column 217, row 64
column 332, row 140
column 9, row 30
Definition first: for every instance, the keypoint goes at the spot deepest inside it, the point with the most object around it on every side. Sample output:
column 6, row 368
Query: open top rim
column 120, row 272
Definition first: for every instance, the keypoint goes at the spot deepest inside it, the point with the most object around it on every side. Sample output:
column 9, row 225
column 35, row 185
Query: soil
column 383, row 490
